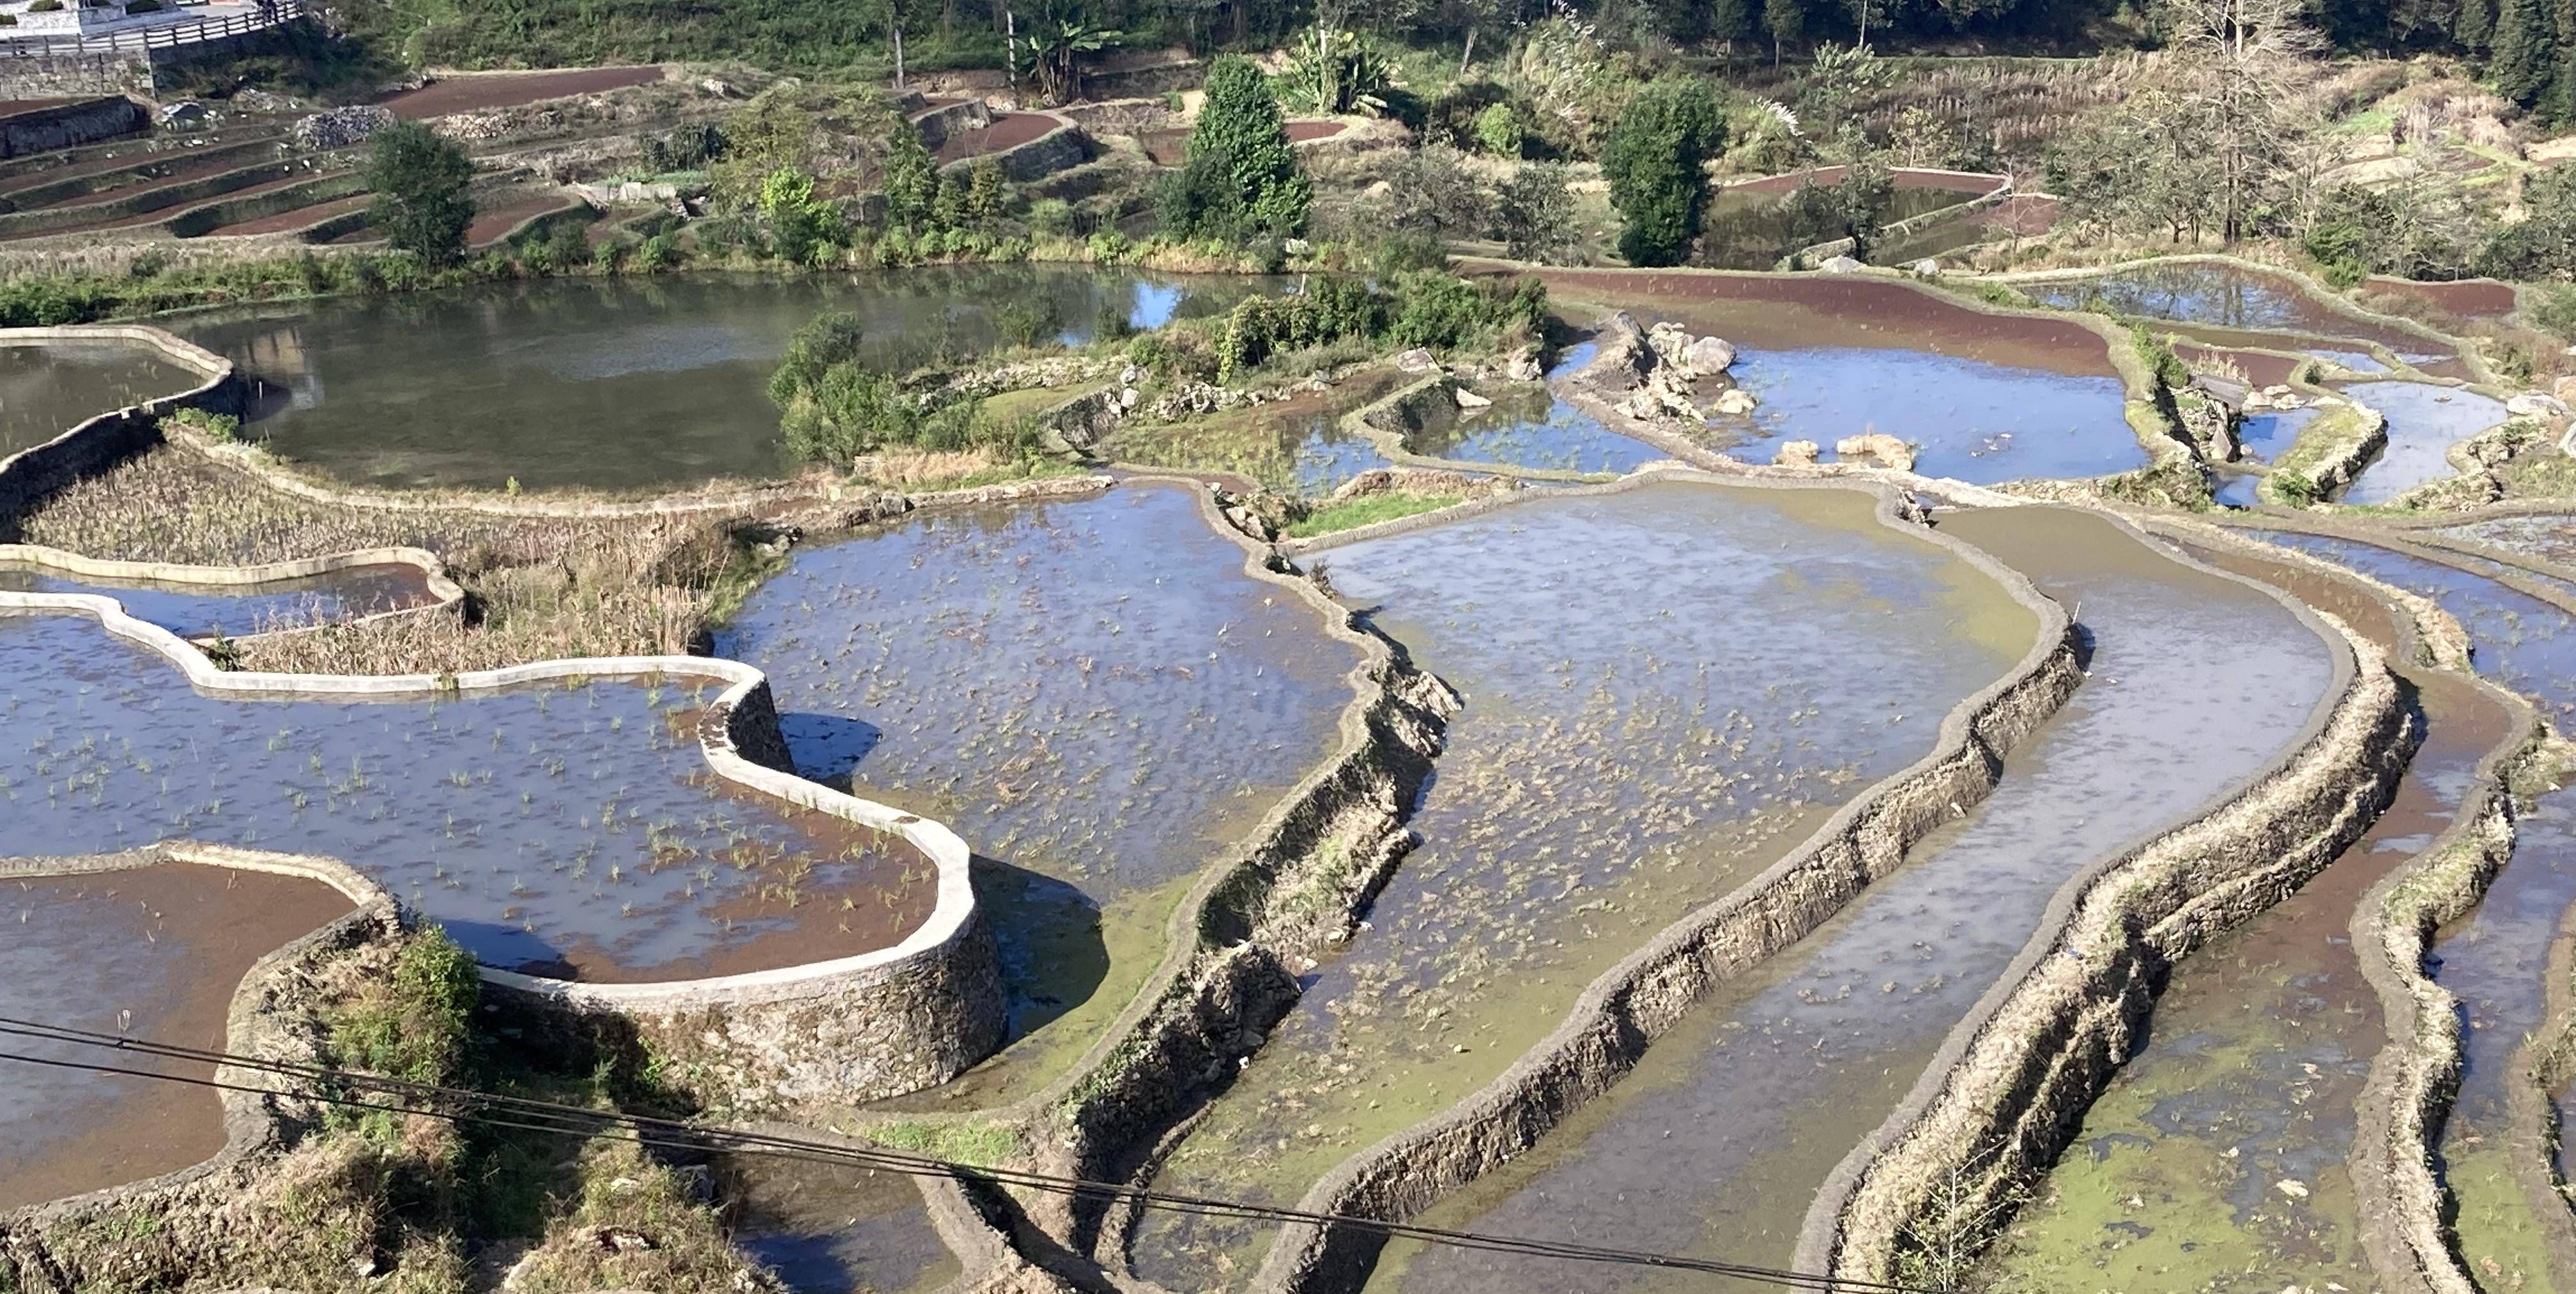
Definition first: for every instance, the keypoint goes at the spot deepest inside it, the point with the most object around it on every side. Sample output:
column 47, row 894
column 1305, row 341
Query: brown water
column 1092, row 692
column 151, row 953
column 49, row 388
column 1666, row 689
column 1717, row 1143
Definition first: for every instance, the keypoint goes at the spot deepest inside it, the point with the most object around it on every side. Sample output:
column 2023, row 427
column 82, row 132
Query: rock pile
column 340, row 127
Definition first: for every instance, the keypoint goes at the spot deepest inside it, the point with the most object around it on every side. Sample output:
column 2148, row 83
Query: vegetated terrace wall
column 1650, row 991
column 853, row 1028
column 2010, row 1087
column 29, row 476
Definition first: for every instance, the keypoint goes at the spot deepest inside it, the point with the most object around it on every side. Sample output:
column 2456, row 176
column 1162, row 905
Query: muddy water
column 2496, row 958
column 48, row 389
column 191, row 610
column 1530, row 428
column 2215, row 1160
column 2226, row 296
column 153, row 953
column 2424, row 421
column 1093, row 693
column 2549, row 538
column 833, row 1228
column 1985, row 398
column 618, row 384
column 1666, row 689
column 571, row 830
column 1718, row 1142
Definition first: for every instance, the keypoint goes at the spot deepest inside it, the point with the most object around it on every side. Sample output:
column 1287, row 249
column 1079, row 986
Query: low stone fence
column 1651, row 990
column 447, row 597
column 2008, row 1089
column 70, row 125
column 30, row 476
column 850, row 1029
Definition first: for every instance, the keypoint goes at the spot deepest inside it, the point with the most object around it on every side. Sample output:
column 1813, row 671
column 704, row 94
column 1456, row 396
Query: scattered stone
column 1710, row 356
column 340, row 127
column 1885, row 450
column 2535, row 404
column 1798, row 453
column 1524, row 367
column 622, row 1240
column 186, row 112
column 2291, row 1187
column 720, row 88
column 1468, row 399
column 1927, row 268
column 1841, row 265
column 1735, row 401
column 1416, row 360
column 1128, row 396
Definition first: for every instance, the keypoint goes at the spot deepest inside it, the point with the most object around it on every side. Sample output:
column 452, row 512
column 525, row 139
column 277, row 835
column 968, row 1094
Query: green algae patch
column 1368, row 511
column 2504, row 1245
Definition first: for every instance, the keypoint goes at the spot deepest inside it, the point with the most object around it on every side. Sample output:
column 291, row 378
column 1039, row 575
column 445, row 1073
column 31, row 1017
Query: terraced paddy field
column 1095, row 692
column 48, row 388
column 617, row 385
column 2424, row 421
column 196, row 610
column 153, row 952
column 2226, row 295
column 1632, row 747
column 1715, row 1146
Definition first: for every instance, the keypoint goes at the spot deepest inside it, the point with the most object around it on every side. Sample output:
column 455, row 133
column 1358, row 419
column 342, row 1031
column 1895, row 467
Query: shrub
column 1498, row 130
column 413, row 1027
column 2294, row 488
column 1051, row 216
column 1535, row 214
column 1656, row 161
column 1242, row 177
column 419, row 179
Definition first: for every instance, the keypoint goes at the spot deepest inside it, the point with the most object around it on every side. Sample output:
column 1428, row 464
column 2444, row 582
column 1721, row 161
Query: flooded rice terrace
column 1093, row 693
column 571, row 830
column 2550, row 538
column 1985, row 398
column 2232, row 297
column 48, row 388
column 620, row 384
column 1666, row 689
column 196, row 610
column 1716, row 1144
column 2424, row 421
column 153, row 953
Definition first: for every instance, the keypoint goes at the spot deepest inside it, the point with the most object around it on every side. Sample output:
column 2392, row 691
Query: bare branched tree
column 2243, row 63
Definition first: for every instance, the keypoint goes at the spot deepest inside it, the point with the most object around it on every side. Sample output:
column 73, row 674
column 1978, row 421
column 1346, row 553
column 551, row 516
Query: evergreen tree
column 2474, row 24
column 1657, row 161
column 419, row 179
column 2523, row 53
column 1242, row 176
column 1786, row 20
column 1730, row 20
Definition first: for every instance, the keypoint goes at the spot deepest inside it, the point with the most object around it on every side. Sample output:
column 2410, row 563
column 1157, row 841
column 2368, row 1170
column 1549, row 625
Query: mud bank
column 1602, row 1034
column 2009, row 1087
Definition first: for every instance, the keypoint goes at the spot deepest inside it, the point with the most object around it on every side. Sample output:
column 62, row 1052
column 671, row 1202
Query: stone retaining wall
column 1648, row 992
column 853, row 1028
column 2010, row 1086
column 30, row 476
column 71, row 125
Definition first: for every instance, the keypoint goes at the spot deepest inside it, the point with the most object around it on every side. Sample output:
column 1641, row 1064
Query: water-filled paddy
column 2424, row 421
column 192, row 610
column 2269, row 434
column 1665, row 689
column 2496, row 958
column 2226, row 296
column 47, row 389
column 563, row 829
column 1717, row 1143
column 151, row 953
column 2253, row 1068
column 832, row 1228
column 620, row 383
column 1529, row 428
column 1092, row 692
column 2549, row 538
column 1752, row 226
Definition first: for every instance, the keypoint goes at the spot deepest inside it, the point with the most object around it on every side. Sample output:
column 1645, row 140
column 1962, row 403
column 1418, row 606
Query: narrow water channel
column 1717, row 1143
column 1667, row 688
column 2496, row 958
column 193, row 610
column 2215, row 1160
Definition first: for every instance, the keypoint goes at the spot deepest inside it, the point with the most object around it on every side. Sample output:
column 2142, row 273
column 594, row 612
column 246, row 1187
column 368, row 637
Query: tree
column 2241, row 64
column 2473, row 24
column 2522, row 53
column 1786, row 20
column 1534, row 216
column 1730, row 21
column 1657, row 161
column 1059, row 40
column 1242, row 176
column 419, row 178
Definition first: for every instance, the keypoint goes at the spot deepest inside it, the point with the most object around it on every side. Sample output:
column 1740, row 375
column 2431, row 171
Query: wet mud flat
column 2216, row 1159
column 2496, row 958
column 1719, row 1140
column 1094, row 693
column 1988, row 398
column 2228, row 296
column 1666, row 689
column 48, row 388
column 153, row 952
column 2424, row 421
column 621, row 384
column 574, row 831
column 194, row 610
column 832, row 1228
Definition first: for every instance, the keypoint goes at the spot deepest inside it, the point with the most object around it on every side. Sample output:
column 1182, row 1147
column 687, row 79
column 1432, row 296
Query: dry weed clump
column 543, row 587
column 635, row 1227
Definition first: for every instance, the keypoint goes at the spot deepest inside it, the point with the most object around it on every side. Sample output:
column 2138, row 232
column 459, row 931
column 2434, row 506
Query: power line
column 527, row 1115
